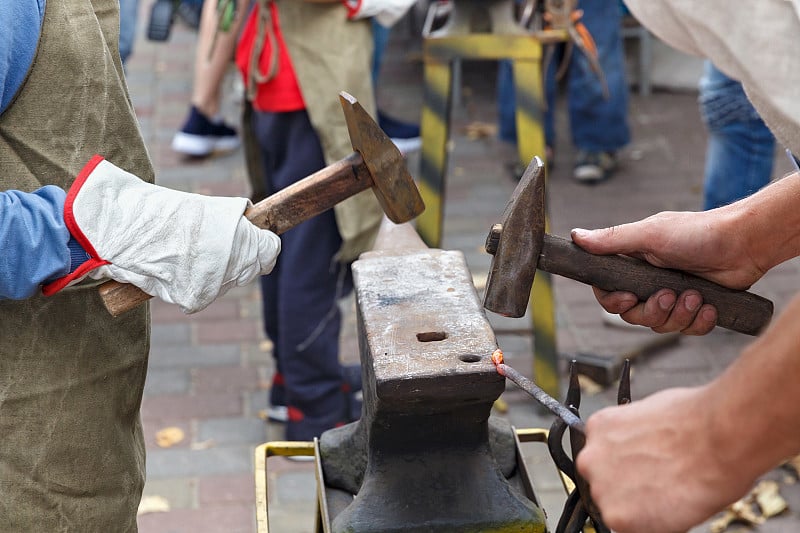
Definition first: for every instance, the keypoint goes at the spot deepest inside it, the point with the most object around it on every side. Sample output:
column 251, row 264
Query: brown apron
column 71, row 376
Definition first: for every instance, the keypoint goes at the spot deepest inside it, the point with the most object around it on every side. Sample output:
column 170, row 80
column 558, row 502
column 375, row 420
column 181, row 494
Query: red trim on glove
column 75, row 230
column 353, row 6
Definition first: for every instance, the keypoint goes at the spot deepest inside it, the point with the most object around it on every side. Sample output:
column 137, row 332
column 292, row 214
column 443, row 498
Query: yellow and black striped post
column 524, row 50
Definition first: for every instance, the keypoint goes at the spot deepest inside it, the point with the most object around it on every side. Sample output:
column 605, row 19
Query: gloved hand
column 187, row 249
column 386, row 12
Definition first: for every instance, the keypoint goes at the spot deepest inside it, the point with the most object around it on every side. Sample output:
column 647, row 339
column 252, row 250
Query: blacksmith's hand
column 705, row 244
column 187, row 249
column 655, row 465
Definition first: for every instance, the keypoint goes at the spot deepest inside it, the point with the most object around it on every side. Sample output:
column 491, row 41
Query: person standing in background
column 598, row 121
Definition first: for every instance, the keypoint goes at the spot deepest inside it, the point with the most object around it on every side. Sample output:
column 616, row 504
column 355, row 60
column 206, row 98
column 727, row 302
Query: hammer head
column 392, row 183
column 516, row 244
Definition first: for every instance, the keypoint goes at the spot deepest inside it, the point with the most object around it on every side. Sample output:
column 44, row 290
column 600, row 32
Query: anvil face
column 426, row 336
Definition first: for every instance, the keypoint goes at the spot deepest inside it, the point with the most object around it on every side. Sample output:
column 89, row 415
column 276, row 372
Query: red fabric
column 77, row 233
column 295, row 414
column 352, row 7
column 282, row 93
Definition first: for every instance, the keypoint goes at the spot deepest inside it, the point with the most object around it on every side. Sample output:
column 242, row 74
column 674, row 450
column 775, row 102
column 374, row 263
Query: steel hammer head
column 516, row 244
column 392, row 183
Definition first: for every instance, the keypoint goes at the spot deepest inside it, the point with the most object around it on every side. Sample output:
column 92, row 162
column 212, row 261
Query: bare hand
column 652, row 465
column 699, row 243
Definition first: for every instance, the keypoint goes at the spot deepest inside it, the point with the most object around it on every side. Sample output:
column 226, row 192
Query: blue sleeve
column 35, row 240
column 20, row 25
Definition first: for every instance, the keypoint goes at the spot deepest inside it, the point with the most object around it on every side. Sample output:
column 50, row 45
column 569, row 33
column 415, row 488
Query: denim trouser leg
column 380, row 38
column 741, row 148
column 598, row 124
column 128, row 13
column 506, row 102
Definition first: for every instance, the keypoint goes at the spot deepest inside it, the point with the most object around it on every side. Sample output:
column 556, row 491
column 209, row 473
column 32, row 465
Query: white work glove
column 386, row 12
column 187, row 249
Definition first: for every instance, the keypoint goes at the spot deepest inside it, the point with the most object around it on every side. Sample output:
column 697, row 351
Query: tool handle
column 740, row 311
column 278, row 213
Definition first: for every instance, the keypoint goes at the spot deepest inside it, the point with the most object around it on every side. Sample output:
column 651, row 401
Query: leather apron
column 71, row 376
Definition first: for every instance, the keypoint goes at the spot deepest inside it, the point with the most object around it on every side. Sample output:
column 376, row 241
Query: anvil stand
column 487, row 30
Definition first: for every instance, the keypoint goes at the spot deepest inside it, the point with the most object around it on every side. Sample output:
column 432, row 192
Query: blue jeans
column 380, row 38
column 596, row 124
column 740, row 146
column 128, row 13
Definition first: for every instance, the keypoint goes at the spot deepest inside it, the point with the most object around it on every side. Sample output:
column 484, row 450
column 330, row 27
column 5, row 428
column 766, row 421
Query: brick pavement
column 209, row 373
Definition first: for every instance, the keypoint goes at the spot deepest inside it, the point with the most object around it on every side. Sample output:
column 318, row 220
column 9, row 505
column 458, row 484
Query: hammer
column 520, row 246
column 375, row 163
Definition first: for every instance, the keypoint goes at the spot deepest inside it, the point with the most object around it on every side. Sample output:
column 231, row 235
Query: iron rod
column 542, row 397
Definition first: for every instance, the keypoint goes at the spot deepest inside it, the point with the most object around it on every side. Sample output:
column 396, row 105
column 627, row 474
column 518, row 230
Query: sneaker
column 404, row 135
column 201, row 136
column 159, row 25
column 594, row 167
column 278, row 414
column 277, row 410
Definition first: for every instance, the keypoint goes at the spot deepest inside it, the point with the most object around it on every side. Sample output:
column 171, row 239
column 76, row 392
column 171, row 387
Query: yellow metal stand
column 524, row 50
column 323, row 518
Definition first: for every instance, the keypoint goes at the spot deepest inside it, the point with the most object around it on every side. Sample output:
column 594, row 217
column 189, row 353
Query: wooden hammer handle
column 278, row 213
column 740, row 311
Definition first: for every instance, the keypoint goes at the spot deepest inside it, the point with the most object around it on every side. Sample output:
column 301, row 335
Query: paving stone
column 215, row 461
column 222, row 519
column 225, row 379
column 222, row 331
column 225, row 431
column 188, row 355
column 183, row 407
column 221, row 490
column 180, row 493
column 162, row 381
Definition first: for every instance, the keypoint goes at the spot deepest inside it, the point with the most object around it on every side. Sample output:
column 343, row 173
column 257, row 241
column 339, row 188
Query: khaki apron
column 71, row 376
column 329, row 54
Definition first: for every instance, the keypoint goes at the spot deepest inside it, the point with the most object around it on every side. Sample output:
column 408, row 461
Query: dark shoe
column 162, row 15
column 404, row 135
column 594, row 167
column 200, row 136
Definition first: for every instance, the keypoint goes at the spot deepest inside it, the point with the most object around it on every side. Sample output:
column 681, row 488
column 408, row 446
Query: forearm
column 755, row 403
column 768, row 222
column 35, row 239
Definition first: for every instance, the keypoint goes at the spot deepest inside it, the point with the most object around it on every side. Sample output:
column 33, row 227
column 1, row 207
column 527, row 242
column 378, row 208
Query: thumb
column 269, row 246
column 623, row 239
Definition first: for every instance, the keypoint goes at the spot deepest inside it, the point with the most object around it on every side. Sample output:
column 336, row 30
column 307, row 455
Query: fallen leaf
column 719, row 525
column 768, row 498
column 745, row 513
column 153, row 504
column 480, row 130
column 169, row 436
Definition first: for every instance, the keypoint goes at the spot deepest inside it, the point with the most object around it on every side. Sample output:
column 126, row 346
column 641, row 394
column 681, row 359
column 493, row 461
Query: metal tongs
column 579, row 506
